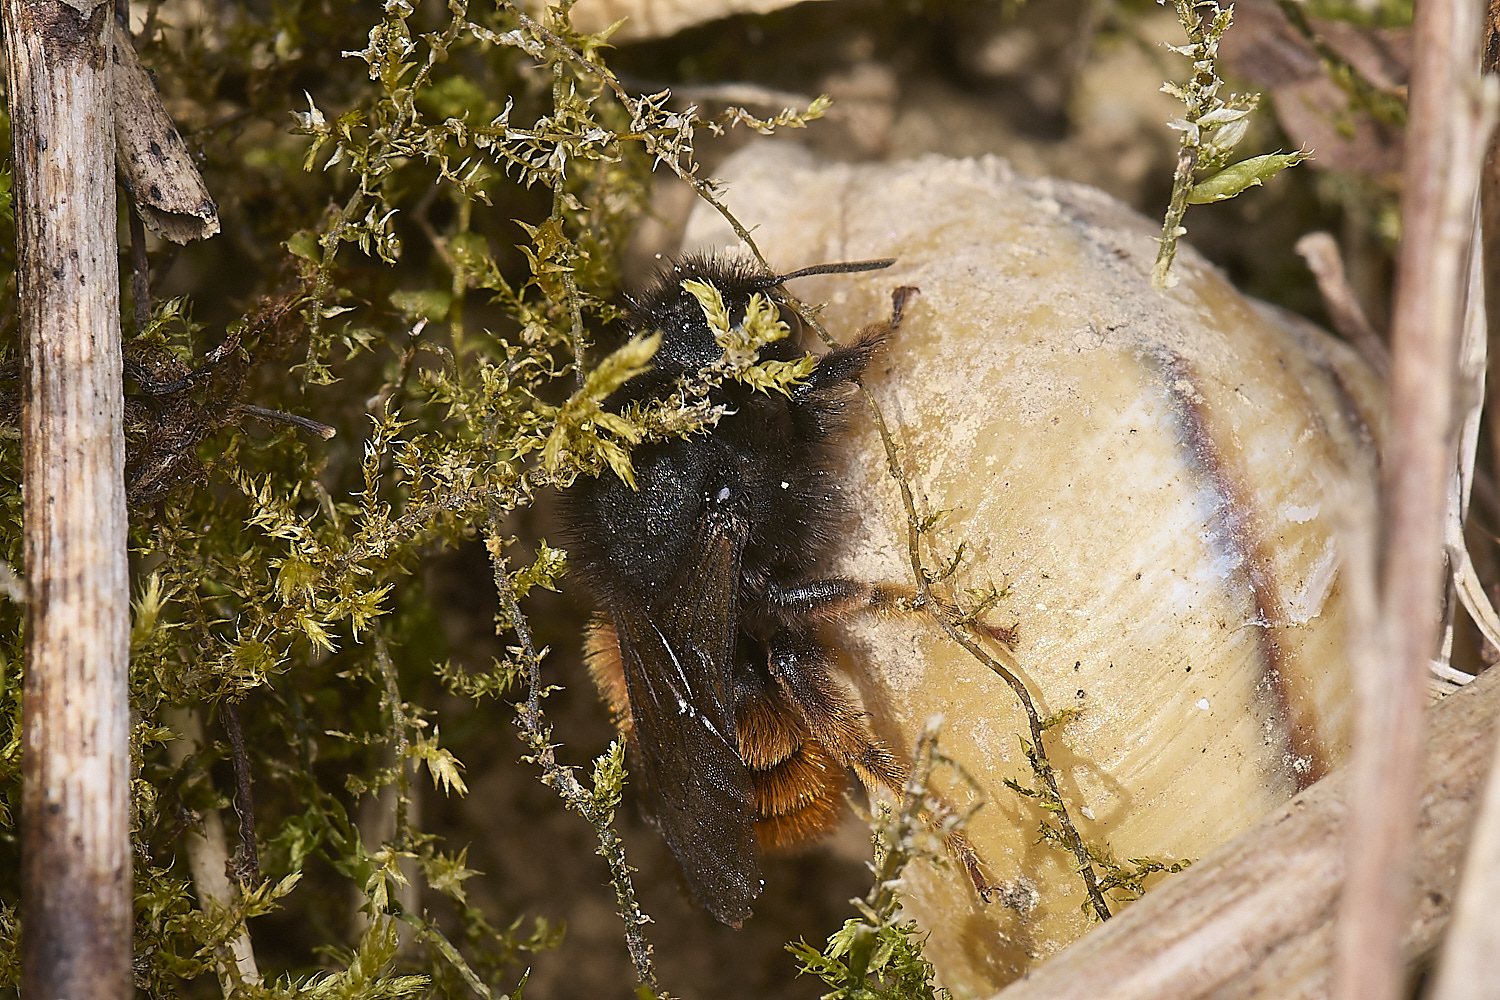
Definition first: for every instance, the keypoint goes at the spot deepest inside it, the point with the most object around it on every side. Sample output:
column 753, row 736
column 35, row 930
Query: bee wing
column 677, row 659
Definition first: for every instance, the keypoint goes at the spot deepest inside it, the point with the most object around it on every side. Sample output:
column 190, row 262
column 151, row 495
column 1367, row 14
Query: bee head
column 687, row 342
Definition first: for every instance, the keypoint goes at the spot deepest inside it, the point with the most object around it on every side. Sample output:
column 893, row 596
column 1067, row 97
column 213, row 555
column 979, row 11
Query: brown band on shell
column 1236, row 526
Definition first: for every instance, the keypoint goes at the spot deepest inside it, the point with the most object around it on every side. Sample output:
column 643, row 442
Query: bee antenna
column 843, row 267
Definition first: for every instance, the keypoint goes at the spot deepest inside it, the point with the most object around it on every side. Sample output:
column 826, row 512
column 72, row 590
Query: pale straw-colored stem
column 76, row 874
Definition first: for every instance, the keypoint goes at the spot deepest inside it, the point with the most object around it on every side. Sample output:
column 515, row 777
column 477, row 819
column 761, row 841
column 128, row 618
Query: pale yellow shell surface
column 1157, row 481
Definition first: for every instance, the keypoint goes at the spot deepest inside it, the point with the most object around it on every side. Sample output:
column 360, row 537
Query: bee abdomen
column 798, row 783
column 771, row 731
column 799, row 799
column 601, row 652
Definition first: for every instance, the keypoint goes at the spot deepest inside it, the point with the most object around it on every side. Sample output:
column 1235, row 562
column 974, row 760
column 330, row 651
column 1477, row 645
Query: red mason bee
column 707, row 578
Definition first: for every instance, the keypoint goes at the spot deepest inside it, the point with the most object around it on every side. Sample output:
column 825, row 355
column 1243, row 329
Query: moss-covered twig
column 667, row 143
column 596, row 806
column 1211, row 128
column 1387, row 105
column 948, row 620
column 247, row 859
column 878, row 956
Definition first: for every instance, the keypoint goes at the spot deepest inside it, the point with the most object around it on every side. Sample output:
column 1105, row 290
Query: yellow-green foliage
column 372, row 285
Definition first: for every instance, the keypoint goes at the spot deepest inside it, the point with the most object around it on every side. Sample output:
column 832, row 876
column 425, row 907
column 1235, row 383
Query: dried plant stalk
column 155, row 167
column 1444, row 146
column 208, row 859
column 75, row 798
column 1349, row 319
column 1470, row 967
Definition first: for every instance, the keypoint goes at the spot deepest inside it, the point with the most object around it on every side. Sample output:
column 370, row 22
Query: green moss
column 373, row 285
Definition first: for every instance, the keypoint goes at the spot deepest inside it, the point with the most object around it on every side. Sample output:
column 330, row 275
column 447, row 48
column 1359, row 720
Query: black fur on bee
column 707, row 578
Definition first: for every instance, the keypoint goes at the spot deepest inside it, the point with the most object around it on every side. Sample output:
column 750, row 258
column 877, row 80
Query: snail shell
column 1156, row 483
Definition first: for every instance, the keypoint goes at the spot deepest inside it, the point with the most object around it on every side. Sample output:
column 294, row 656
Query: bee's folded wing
column 677, row 653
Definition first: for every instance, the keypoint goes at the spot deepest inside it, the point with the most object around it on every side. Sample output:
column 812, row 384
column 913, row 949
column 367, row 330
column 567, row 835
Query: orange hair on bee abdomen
column 812, row 822
column 771, row 729
column 808, row 774
column 799, row 799
column 798, row 783
column 601, row 653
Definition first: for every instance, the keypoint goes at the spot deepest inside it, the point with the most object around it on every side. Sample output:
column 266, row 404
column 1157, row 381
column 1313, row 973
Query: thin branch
column 140, row 273
column 949, row 621
column 427, row 930
column 247, row 858
column 308, row 424
column 208, row 858
column 538, row 737
column 1348, row 316
column 1385, row 104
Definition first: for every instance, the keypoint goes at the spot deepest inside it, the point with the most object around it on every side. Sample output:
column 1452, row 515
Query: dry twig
column 1349, row 319
column 75, row 892
column 1444, row 146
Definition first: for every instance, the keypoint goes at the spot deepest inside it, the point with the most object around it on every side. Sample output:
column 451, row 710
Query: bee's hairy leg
column 843, row 365
column 963, row 853
column 847, row 363
column 801, row 668
column 834, row 599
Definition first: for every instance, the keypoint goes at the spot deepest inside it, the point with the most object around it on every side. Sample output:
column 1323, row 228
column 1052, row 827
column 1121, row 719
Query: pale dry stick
column 1470, row 964
column 155, row 166
column 1468, row 969
column 1443, row 153
column 1348, row 316
column 75, row 798
column 208, row 854
column 1472, row 362
column 1255, row 918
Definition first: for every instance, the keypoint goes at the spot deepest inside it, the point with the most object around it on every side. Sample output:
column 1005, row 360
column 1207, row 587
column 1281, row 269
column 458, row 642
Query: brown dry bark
column 75, row 823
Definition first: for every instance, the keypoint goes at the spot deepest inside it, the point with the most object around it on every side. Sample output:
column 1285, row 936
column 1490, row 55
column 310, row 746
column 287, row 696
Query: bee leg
column 802, row 668
column 834, row 599
column 843, row 365
column 962, row 852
